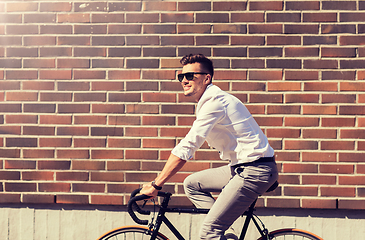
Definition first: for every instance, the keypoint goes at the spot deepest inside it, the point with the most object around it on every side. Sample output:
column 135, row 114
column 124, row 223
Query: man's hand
column 149, row 190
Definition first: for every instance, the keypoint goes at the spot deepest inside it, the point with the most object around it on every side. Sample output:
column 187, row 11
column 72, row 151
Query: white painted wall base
column 20, row 222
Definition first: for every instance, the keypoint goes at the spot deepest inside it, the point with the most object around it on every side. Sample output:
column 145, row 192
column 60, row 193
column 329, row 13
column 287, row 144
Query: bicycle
column 152, row 231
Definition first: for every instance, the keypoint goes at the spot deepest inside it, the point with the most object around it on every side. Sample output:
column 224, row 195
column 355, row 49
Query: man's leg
column 236, row 197
column 199, row 185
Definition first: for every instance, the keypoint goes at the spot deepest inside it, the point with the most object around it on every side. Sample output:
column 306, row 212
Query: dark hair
column 199, row 58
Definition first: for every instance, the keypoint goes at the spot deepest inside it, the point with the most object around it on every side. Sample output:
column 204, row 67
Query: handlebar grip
column 132, row 204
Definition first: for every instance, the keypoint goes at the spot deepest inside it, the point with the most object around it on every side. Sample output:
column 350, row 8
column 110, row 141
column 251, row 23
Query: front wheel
column 130, row 233
column 291, row 234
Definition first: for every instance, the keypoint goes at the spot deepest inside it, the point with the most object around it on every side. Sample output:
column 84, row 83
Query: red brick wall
column 90, row 108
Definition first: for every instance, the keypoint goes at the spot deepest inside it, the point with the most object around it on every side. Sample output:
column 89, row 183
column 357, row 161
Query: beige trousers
column 240, row 187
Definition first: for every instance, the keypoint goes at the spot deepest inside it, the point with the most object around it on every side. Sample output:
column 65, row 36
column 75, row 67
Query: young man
column 226, row 124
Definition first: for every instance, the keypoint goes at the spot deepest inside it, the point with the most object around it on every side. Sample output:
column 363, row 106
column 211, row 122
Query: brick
column 265, row 52
column 37, row 175
column 336, row 168
column 54, row 187
column 10, row 153
column 73, row 18
column 301, row 29
column 320, row 64
column 186, row 40
column 142, row 18
column 212, row 17
column 72, row 176
column 125, row 6
column 90, row 120
column 159, row 6
column 351, row 204
column 320, row 17
column 9, row 198
column 247, row 17
column 107, row 176
column 106, row 200
column 301, row 121
column 160, row 143
column 40, row 108
column 20, row 187
column 194, row 6
column 158, row 120
column 283, row 40
column 124, row 28
column 301, row 52
column 266, row 98
column 39, row 18
column 316, row 40
column 21, row 74
column 351, row 180
column 141, row 154
column 315, row 180
column 339, row 5
column 80, row 142
column 73, row 108
column 38, row 198
column 121, row 188
column 352, row 40
column 177, row 17
column 89, row 97
column 55, row 7
column 351, row 110
column 142, row 109
column 123, row 165
column 21, row 142
column 283, row 203
column 338, row 75
column 307, row 5
column 107, row 131
column 338, row 28
column 72, row 199
column 107, row 86
column 35, row 130
column 319, row 203
column 124, row 74
column 88, row 165
column 301, row 98
column 124, row 120
column 55, row 51
column 337, row 145
column 282, row 133
column 107, row 154
column 73, row 86
column 250, row 63
column 247, row 40
column 23, row 118
column 321, row 86
column 145, row 132
column 71, row 63
column 356, row 86
column 140, row 177
column 54, row 165
column 88, row 187
column 52, row 119
column 55, row 142
column 38, row 153
column 38, row 85
column 273, row 109
column 74, row 154
column 269, row 5
column 352, row 133
column 320, row 133
column 9, row 175
column 301, row 145
column 319, row 110
column 301, row 191
column 351, row 157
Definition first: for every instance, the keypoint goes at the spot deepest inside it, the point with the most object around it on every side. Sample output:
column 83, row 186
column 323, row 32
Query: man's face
column 198, row 84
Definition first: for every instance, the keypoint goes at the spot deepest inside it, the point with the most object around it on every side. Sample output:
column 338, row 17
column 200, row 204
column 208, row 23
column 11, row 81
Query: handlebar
column 133, row 206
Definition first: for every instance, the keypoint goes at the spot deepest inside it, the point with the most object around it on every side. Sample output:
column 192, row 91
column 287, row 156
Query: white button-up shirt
column 225, row 123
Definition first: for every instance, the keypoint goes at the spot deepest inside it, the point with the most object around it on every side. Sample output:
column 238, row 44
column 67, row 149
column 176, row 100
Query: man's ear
column 208, row 79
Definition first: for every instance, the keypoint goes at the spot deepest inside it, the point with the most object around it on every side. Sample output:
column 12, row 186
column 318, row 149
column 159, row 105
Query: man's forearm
column 172, row 166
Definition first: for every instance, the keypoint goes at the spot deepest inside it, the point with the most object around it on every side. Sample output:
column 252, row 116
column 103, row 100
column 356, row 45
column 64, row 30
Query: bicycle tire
column 291, row 234
column 130, row 233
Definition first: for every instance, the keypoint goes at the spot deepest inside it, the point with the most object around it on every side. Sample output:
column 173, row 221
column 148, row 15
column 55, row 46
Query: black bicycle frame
column 161, row 218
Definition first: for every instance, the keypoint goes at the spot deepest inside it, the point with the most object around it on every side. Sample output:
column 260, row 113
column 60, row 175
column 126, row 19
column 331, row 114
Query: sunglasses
column 189, row 75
